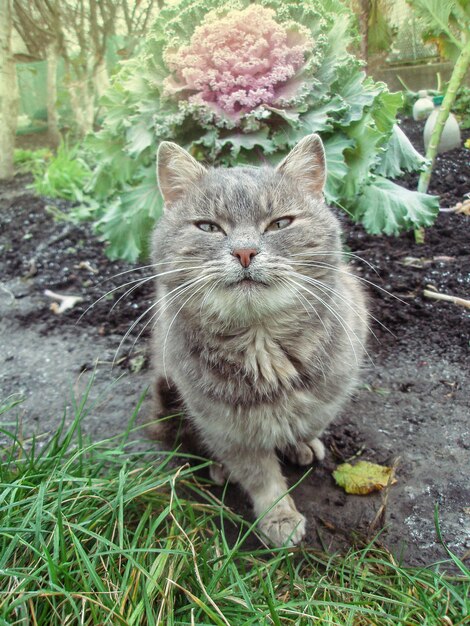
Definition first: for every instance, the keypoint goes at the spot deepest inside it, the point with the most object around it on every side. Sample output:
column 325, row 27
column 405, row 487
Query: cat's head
column 239, row 238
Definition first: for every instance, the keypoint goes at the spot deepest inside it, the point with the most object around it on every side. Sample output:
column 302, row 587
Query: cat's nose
column 245, row 255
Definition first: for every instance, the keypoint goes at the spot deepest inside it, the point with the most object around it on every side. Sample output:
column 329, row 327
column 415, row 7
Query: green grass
column 95, row 534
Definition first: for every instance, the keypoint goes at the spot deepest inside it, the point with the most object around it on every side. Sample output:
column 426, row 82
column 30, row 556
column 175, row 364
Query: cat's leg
column 304, row 453
column 259, row 473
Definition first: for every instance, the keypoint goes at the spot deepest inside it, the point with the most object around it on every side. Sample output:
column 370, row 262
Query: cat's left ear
column 177, row 171
column 306, row 163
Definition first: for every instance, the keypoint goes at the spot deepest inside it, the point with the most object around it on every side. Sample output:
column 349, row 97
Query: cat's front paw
column 318, row 448
column 300, row 454
column 283, row 526
column 305, row 453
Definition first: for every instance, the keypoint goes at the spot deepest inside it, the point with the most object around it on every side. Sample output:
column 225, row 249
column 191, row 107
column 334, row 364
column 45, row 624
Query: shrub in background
column 31, row 161
column 240, row 83
column 65, row 175
column 462, row 107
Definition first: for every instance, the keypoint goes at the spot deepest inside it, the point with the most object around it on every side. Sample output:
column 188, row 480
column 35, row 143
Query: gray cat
column 258, row 325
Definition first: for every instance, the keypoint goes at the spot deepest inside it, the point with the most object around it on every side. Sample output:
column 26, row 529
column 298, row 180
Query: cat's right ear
column 306, row 163
column 177, row 171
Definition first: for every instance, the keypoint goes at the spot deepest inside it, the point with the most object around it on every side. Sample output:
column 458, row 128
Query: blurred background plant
column 126, row 75
column 65, row 175
column 447, row 24
column 461, row 107
column 32, row 161
column 240, row 83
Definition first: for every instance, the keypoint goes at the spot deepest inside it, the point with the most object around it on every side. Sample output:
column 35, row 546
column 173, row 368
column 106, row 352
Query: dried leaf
column 364, row 477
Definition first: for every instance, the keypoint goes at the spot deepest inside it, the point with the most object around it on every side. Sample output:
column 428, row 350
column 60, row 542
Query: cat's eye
column 209, row 227
column 280, row 224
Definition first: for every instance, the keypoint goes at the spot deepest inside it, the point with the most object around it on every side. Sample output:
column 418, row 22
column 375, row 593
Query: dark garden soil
column 412, row 408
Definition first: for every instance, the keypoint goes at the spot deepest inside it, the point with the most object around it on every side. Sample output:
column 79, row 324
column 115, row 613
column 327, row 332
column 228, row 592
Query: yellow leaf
column 364, row 477
column 467, row 143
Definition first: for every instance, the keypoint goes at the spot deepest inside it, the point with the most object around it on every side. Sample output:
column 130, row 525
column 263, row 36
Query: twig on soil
column 66, row 302
column 86, row 265
column 378, row 523
column 461, row 207
column 436, row 295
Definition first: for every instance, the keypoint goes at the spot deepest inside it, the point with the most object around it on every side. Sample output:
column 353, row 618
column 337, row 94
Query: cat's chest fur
column 260, row 364
column 261, row 355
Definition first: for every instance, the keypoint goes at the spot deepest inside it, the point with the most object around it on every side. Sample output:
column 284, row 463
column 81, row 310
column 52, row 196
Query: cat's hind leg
column 218, row 474
column 166, row 406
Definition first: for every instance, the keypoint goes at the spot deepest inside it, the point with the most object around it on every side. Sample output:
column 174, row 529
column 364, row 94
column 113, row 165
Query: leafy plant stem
column 455, row 81
column 419, row 235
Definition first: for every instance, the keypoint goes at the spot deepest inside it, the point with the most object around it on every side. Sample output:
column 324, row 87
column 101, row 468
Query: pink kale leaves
column 239, row 61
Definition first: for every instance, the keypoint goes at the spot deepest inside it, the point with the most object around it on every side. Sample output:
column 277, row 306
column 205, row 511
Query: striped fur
column 262, row 357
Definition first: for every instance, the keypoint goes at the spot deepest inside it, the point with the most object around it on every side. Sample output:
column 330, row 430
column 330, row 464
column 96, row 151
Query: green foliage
column 399, row 156
column 379, row 33
column 446, row 23
column 388, row 208
column 112, row 532
column 31, row 160
column 329, row 94
column 462, row 107
column 65, row 175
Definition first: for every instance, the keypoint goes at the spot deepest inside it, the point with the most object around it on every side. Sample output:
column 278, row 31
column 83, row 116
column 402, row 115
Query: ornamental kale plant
column 236, row 82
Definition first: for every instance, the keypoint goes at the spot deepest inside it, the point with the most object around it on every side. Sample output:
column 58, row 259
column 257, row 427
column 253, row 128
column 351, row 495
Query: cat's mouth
column 248, row 283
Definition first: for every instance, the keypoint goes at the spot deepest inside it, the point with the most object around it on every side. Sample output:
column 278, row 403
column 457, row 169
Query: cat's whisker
column 300, row 295
column 321, row 286
column 145, row 280
column 210, row 291
column 342, row 253
column 288, row 283
column 355, row 309
column 338, row 317
column 140, row 281
column 144, row 267
column 152, row 306
column 161, row 310
column 198, row 189
column 198, row 289
column 185, row 287
column 326, row 289
column 296, row 293
column 309, row 303
column 321, row 265
column 168, row 303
